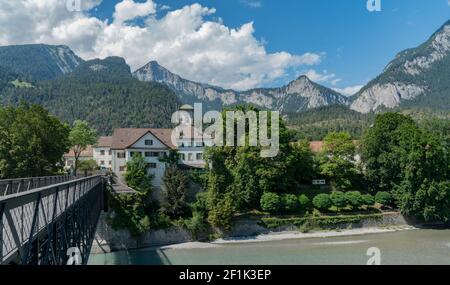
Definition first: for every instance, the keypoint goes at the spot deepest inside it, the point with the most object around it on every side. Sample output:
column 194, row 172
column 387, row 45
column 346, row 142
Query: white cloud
column 350, row 90
column 323, row 77
column 183, row 40
column 129, row 10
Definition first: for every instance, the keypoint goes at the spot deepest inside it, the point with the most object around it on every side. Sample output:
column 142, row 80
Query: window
column 122, row 168
column 148, row 142
column 190, row 157
column 110, row 152
column 102, row 162
column 183, row 156
column 133, row 153
column 152, row 165
column 110, row 162
column 120, row 155
column 199, row 156
column 102, row 152
column 151, row 154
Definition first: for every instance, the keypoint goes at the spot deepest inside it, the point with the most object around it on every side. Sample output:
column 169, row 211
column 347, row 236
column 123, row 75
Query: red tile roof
column 316, row 146
column 89, row 152
column 104, row 142
column 124, row 138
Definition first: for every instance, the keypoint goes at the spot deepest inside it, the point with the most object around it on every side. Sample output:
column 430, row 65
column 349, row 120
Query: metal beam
column 55, row 218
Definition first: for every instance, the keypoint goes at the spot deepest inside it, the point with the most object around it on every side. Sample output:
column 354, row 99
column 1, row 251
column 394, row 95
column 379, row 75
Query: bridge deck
column 13, row 186
column 38, row 226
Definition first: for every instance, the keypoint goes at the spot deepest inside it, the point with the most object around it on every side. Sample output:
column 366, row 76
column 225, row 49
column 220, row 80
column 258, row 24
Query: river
column 403, row 247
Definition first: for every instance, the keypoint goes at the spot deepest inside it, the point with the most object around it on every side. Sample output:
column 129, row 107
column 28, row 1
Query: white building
column 102, row 153
column 151, row 144
column 114, row 152
column 191, row 142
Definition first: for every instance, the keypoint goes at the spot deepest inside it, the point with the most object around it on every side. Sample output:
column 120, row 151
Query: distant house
column 113, row 152
column 151, row 144
column 319, row 146
column 102, row 153
column 69, row 158
column 316, row 146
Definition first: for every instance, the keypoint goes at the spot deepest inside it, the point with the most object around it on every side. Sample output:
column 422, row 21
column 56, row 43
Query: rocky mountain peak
column 414, row 73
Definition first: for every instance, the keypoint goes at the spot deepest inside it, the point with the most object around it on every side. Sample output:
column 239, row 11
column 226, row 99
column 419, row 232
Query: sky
column 239, row 44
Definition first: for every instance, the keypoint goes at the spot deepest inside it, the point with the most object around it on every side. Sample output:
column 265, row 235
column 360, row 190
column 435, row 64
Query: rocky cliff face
column 39, row 62
column 420, row 72
column 301, row 94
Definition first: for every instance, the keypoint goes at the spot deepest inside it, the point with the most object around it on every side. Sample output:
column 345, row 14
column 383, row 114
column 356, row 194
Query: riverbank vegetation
column 32, row 142
column 396, row 165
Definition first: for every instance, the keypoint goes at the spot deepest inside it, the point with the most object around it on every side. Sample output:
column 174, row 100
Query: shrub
column 270, row 202
column 339, row 200
column 323, row 222
column 223, row 213
column 383, row 198
column 354, row 199
column 322, row 202
column 368, row 200
column 305, row 202
column 289, row 202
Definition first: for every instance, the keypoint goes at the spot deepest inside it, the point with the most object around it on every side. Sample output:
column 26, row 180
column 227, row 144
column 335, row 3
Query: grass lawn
column 19, row 84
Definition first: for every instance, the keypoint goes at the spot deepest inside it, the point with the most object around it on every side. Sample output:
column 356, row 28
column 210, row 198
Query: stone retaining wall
column 108, row 240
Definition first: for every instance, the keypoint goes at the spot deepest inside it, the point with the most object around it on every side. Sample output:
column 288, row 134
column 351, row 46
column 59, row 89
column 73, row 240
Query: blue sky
column 358, row 43
column 339, row 43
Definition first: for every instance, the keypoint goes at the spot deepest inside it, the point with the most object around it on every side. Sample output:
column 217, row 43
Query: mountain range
column 299, row 95
column 108, row 94
column 416, row 77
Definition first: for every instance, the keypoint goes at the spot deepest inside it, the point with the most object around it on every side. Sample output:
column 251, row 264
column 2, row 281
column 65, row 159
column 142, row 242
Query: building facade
column 113, row 152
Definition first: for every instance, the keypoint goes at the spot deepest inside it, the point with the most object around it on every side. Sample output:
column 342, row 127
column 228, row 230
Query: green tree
column 223, row 213
column 384, row 198
column 32, row 142
column 337, row 160
column 242, row 173
column 289, row 203
column 137, row 176
column 339, row 200
column 354, row 199
column 176, row 185
column 87, row 165
column 271, row 202
column 81, row 136
column 368, row 200
column 379, row 151
column 322, row 202
column 424, row 163
column 305, row 202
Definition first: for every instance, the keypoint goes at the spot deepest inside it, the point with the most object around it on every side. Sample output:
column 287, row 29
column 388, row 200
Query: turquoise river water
column 404, row 247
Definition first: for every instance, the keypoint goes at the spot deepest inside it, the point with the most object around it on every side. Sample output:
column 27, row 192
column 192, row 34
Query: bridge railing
column 39, row 226
column 14, row 186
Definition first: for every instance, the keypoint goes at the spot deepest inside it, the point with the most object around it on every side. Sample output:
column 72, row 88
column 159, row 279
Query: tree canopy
column 32, row 142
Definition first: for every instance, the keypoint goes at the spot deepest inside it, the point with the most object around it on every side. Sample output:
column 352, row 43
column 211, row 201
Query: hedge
column 321, row 222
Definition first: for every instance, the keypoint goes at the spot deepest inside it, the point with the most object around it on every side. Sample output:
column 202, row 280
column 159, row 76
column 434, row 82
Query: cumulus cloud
column 350, row 90
column 129, row 10
column 185, row 40
column 322, row 77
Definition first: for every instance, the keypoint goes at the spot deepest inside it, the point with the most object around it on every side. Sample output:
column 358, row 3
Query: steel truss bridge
column 40, row 224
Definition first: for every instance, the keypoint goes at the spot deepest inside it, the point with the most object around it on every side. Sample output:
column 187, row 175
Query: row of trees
column 395, row 157
column 33, row 142
column 410, row 162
